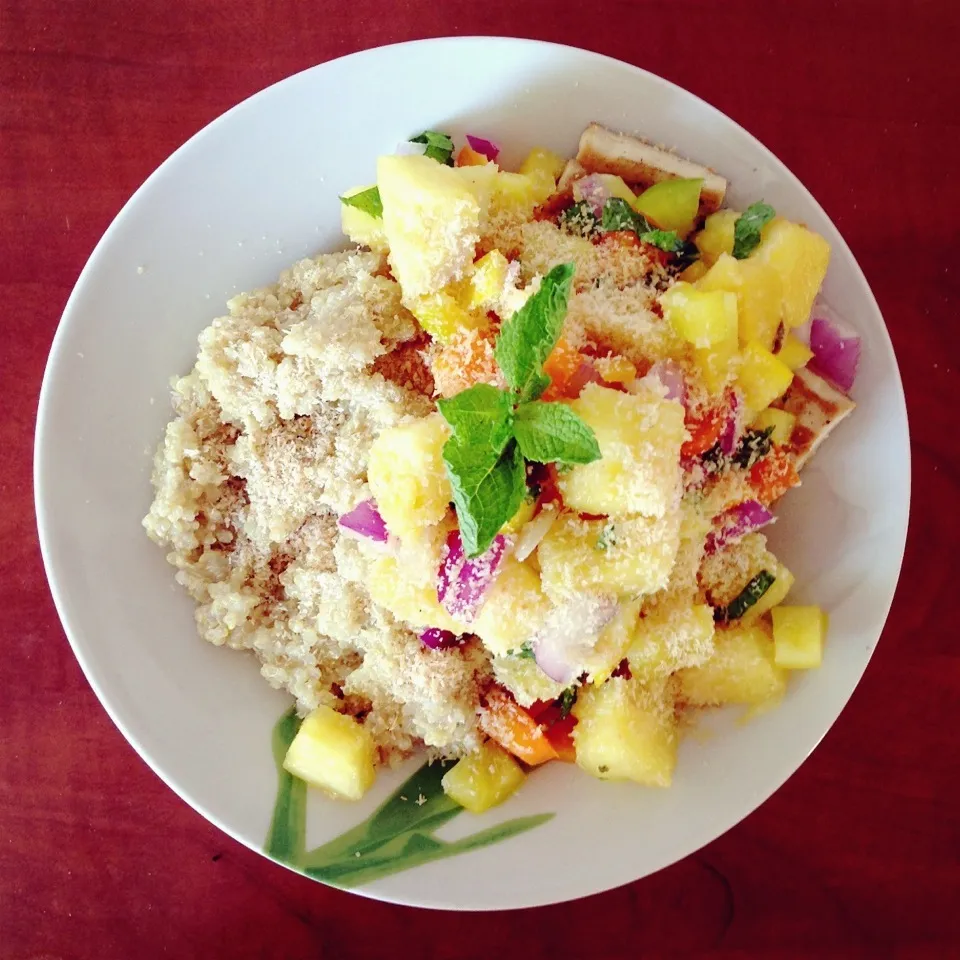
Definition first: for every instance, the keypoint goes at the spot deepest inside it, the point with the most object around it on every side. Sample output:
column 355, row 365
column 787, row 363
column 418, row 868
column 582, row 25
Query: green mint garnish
column 439, row 146
column 619, row 215
column 566, row 700
column 754, row 445
column 664, row 239
column 553, row 433
column 746, row 231
column 367, row 200
column 580, row 219
column 747, row 598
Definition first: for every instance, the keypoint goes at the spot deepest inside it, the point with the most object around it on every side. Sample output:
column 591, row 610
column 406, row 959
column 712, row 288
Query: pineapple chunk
column 800, row 257
column 759, row 292
column 612, row 644
column 640, row 435
column 716, row 237
column 525, row 680
column 612, row 184
column 626, row 731
column 360, row 226
column 798, row 635
column 513, row 610
column 488, row 280
column 671, row 204
column 626, row 557
column 615, row 369
column 483, row 779
column 407, row 475
column 704, row 318
column 516, row 195
column 431, row 219
column 762, row 377
column 414, row 603
column 780, row 421
column 794, row 352
column 741, row 670
column 694, row 272
column 442, row 315
column 543, row 168
column 669, row 638
column 333, row 752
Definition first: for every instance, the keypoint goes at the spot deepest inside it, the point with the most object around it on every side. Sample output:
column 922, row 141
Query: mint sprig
column 746, row 231
column 439, row 146
column 619, row 215
column 366, row 200
column 495, row 431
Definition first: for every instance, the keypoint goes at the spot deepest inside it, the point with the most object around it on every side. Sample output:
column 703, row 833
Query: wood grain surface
column 857, row 855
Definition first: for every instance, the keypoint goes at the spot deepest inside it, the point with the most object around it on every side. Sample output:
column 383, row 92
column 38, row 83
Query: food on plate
column 492, row 480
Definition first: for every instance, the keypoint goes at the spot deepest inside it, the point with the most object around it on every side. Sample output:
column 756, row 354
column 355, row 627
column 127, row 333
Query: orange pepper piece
column 560, row 736
column 468, row 157
column 704, row 433
column 773, row 476
column 505, row 721
column 564, row 361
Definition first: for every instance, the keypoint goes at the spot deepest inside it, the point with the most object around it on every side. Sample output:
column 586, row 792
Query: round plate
column 250, row 194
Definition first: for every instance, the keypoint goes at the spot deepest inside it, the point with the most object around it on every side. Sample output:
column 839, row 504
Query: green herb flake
column 747, row 598
column 579, row 219
column 526, row 652
column 753, row 447
column 607, row 538
column 667, row 240
column 619, row 215
column 746, row 231
column 566, row 700
column 439, row 146
column 366, row 200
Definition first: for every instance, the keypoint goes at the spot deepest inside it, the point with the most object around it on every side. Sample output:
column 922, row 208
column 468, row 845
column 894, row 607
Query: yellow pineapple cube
column 716, row 364
column 483, row 779
column 525, row 680
column 800, row 257
column 671, row 204
column 360, row 226
column 407, row 475
column 626, row 731
column 615, row 369
column 515, row 195
column 762, row 377
column 442, row 315
column 741, row 670
column 626, row 557
column 612, row 644
column 716, row 237
column 781, row 422
column 412, row 602
column 794, row 352
column 543, row 168
column 513, row 609
column 694, row 272
column 431, row 219
column 759, row 292
column 333, row 752
column 669, row 638
column 798, row 635
column 489, row 279
column 640, row 435
column 704, row 318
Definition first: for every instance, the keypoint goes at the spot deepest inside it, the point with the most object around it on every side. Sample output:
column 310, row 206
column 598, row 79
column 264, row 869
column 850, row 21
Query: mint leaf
column 554, row 433
column 367, row 200
column 619, row 215
column 439, row 146
column 488, row 489
column 527, row 338
column 481, row 416
column 580, row 219
column 664, row 239
column 746, row 231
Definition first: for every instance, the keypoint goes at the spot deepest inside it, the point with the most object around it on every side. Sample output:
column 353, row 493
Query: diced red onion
column 569, row 633
column 365, row 520
column 462, row 583
column 730, row 436
column 593, row 191
column 584, row 374
column 737, row 522
column 668, row 376
column 534, row 531
column 836, row 353
column 437, row 639
column 487, row 147
column 410, row 149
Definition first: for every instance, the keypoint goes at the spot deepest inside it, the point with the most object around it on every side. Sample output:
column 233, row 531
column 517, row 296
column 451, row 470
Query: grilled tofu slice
column 603, row 151
column 573, row 170
column 818, row 407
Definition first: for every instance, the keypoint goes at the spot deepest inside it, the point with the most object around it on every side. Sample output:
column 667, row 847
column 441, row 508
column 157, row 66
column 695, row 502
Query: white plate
column 243, row 199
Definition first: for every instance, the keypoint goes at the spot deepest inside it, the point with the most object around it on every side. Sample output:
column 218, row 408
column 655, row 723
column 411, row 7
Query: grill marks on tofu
column 818, row 407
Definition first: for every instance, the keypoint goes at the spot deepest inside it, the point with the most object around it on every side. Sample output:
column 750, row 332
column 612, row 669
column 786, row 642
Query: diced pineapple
column 716, row 237
column 407, row 475
column 781, row 422
column 800, row 257
column 704, row 318
column 612, row 644
column 525, row 680
column 626, row 731
column 613, row 185
column 431, row 219
column 615, row 369
column 543, row 168
column 626, row 557
column 794, row 352
column 516, row 195
column 333, row 752
column 488, row 279
column 413, row 603
column 798, row 635
column 759, row 292
column 442, row 315
column 640, row 435
column 670, row 638
column 513, row 610
column 694, row 272
column 360, row 226
column 671, row 204
column 483, row 779
column 741, row 670
column 762, row 377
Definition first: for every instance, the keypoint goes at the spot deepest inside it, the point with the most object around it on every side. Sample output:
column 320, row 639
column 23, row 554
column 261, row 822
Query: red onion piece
column 569, row 633
column 365, row 520
column 593, row 191
column 410, row 149
column 584, row 374
column 462, row 583
column 836, row 353
column 437, row 639
column 737, row 522
column 668, row 376
column 487, row 147
column 730, row 436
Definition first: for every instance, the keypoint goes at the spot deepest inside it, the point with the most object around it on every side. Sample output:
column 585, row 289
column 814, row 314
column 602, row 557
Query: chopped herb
column 686, row 255
column 619, row 215
column 607, row 538
column 754, row 446
column 439, row 146
column 713, row 461
column 746, row 231
column 525, row 652
column 667, row 240
column 366, row 200
column 566, row 700
column 747, row 597
column 580, row 219
column 603, row 768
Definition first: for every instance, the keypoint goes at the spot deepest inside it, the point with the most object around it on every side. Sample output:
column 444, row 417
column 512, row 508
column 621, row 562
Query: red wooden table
column 858, row 855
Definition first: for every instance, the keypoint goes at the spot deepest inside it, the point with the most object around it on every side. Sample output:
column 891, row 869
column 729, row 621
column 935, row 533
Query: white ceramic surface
column 243, row 199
